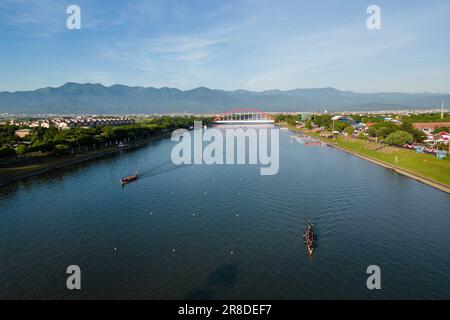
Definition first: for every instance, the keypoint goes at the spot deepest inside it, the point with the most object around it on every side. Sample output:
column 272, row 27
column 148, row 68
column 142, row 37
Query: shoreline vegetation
column 424, row 168
column 125, row 137
column 421, row 167
column 12, row 174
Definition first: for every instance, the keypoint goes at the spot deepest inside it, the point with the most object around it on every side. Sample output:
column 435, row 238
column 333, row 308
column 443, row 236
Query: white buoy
column 115, row 249
column 173, row 250
column 231, row 252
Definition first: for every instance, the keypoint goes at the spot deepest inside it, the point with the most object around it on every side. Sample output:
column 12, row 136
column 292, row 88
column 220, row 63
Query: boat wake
column 164, row 168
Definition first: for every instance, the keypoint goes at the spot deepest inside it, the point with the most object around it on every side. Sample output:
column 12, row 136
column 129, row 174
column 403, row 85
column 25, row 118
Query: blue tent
column 441, row 154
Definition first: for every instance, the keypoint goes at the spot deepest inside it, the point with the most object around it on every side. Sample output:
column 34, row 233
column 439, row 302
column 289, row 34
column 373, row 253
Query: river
column 224, row 231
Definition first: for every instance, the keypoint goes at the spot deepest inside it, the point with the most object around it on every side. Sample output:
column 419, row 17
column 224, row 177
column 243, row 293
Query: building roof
column 342, row 118
column 430, row 125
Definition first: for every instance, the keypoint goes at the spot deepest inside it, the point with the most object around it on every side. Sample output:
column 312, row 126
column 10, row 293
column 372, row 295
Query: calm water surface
column 224, row 231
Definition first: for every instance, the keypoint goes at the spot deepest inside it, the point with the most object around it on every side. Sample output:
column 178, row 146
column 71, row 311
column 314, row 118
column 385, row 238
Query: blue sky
column 248, row 44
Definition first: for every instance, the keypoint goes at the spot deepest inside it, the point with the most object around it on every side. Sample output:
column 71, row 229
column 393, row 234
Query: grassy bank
column 421, row 165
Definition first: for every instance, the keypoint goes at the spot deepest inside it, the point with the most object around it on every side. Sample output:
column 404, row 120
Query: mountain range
column 88, row 98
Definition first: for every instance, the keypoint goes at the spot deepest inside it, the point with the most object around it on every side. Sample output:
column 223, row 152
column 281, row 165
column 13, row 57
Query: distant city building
column 67, row 123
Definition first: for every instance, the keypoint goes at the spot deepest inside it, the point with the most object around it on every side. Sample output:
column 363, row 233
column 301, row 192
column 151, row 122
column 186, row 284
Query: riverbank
column 421, row 167
column 12, row 174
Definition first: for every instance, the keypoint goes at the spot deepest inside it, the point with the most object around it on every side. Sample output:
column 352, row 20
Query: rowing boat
column 309, row 238
column 126, row 180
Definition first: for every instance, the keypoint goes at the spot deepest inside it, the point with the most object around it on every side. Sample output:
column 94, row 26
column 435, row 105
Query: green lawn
column 425, row 165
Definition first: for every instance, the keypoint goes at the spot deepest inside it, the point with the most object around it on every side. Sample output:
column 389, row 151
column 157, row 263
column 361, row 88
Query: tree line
column 386, row 131
column 69, row 141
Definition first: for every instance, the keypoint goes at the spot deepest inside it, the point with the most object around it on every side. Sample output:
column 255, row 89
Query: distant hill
column 76, row 98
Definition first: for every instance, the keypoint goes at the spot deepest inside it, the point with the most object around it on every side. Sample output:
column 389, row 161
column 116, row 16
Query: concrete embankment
column 411, row 175
column 435, row 184
column 72, row 161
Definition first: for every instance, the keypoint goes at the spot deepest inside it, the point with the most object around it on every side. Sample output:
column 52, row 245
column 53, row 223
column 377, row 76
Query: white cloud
column 249, row 44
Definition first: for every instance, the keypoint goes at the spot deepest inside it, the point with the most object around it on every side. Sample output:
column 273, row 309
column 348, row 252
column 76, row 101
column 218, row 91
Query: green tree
column 382, row 129
column 52, row 139
column 323, row 120
column 418, row 135
column 339, row 125
column 372, row 131
column 7, row 134
column 427, row 117
column 440, row 129
column 349, row 130
column 21, row 149
column 62, row 149
column 308, row 124
column 40, row 145
column 399, row 138
column 291, row 120
column 362, row 136
column 7, row 151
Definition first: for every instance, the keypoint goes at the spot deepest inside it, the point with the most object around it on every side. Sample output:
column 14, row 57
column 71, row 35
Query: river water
column 224, row 231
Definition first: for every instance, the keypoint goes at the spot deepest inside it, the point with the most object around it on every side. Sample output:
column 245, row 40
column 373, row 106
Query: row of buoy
column 193, row 214
column 231, row 252
column 173, row 250
column 204, row 193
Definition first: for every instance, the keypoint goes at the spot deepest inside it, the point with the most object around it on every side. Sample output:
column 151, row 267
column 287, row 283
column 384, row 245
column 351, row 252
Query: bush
column 62, row 149
column 349, row 130
column 399, row 138
column 417, row 134
column 7, row 151
column 308, row 124
column 382, row 129
column 39, row 145
column 323, row 120
column 440, row 129
column 339, row 126
column 362, row 136
column 21, row 149
column 372, row 131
